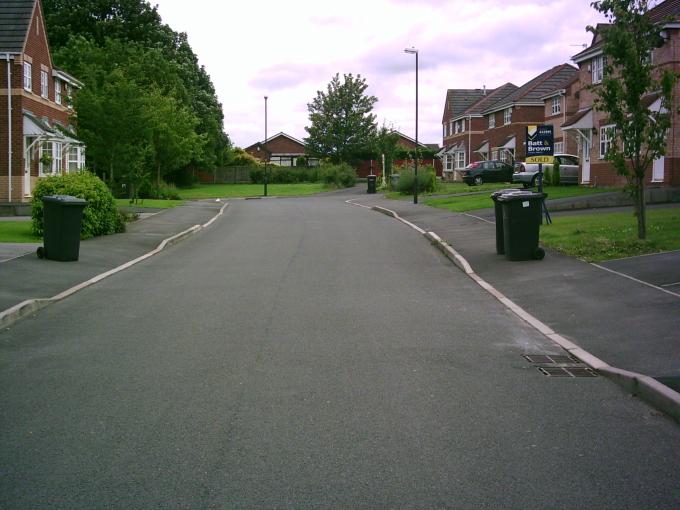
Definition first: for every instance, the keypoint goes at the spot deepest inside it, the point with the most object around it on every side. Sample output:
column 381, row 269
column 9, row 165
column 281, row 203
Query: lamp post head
column 411, row 50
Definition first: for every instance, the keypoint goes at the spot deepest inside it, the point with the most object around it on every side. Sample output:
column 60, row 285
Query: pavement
column 623, row 315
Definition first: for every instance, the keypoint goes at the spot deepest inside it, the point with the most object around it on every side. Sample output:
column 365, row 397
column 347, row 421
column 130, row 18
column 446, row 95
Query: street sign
column 540, row 143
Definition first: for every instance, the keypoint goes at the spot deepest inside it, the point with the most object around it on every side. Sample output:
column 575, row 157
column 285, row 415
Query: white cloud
column 289, row 50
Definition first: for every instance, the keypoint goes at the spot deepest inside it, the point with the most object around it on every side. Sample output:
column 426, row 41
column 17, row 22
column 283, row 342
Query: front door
column 585, row 161
column 657, row 169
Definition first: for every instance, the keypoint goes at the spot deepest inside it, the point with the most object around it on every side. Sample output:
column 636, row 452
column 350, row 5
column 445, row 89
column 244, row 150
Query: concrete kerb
column 643, row 386
column 30, row 306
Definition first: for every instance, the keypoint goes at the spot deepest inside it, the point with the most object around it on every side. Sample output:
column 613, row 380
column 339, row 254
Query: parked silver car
column 526, row 173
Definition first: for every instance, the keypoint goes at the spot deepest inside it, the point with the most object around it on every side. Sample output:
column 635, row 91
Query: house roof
column 532, row 91
column 491, row 99
column 458, row 100
column 667, row 9
column 15, row 19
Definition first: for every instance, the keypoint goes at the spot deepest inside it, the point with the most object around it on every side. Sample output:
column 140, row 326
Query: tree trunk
column 158, row 175
column 641, row 207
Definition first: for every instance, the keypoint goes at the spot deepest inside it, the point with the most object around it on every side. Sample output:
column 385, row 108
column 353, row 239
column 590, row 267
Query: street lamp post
column 414, row 51
column 266, row 152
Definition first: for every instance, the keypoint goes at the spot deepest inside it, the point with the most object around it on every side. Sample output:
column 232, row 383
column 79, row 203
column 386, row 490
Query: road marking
column 670, row 284
column 478, row 218
column 636, row 280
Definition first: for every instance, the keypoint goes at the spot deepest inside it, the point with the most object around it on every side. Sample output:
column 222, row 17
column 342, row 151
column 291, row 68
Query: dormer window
column 28, row 76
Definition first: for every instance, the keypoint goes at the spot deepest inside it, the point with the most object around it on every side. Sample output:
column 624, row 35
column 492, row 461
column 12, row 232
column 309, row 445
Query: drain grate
column 557, row 359
column 567, row 372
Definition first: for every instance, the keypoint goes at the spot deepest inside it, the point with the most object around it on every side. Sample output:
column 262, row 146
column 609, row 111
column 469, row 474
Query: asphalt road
column 303, row 353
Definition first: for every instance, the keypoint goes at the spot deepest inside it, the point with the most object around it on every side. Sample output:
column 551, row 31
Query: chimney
column 484, row 89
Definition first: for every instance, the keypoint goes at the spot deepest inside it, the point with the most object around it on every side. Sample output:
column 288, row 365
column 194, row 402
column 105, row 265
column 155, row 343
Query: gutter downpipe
column 9, row 127
column 469, row 126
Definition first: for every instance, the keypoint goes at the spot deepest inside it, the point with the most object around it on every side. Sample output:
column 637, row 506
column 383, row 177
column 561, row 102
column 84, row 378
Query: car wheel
column 478, row 180
column 534, row 182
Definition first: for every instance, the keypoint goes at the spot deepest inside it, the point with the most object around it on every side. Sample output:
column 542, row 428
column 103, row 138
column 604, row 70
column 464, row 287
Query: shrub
column 338, row 176
column 547, row 175
column 100, row 216
column 427, row 180
column 285, row 174
column 556, row 173
column 162, row 192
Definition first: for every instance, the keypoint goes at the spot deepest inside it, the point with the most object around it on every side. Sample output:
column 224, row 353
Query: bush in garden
column 100, row 216
column 339, row 176
column 556, row 173
column 427, row 180
column 257, row 174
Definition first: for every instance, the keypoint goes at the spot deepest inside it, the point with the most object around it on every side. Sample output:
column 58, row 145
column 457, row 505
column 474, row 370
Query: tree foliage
column 147, row 107
column 342, row 125
column 631, row 83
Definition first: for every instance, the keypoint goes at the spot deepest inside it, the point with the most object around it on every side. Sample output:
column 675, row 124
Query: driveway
column 659, row 269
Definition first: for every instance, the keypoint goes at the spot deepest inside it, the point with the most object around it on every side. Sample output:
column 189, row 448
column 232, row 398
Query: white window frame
column 28, row 76
column 492, row 121
column 507, row 116
column 44, row 84
column 597, row 69
column 45, row 148
column 460, row 159
column 448, row 160
column 57, row 91
column 607, row 137
column 556, row 105
column 558, row 148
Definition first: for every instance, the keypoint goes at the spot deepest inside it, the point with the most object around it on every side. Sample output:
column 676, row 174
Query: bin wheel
column 41, row 252
column 539, row 253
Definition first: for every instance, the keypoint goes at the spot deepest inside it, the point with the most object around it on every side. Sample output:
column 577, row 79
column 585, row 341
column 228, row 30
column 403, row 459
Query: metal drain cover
column 558, row 359
column 567, row 372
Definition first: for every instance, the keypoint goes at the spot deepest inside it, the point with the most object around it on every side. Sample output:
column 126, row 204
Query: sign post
column 540, row 143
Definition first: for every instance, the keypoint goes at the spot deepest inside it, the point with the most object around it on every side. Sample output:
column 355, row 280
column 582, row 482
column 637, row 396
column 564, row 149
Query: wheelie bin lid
column 500, row 192
column 521, row 195
column 64, row 199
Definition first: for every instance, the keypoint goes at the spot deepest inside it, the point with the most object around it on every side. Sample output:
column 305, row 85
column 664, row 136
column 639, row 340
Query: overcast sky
column 290, row 50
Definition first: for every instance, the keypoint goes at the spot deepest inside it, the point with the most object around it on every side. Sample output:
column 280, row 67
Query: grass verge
column 149, row 203
column 201, row 191
column 606, row 236
column 467, row 202
column 17, row 232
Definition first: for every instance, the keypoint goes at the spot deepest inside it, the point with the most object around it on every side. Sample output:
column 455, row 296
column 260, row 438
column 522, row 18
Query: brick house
column 592, row 127
column 507, row 119
column 283, row 150
column 36, row 135
column 464, row 127
column 560, row 105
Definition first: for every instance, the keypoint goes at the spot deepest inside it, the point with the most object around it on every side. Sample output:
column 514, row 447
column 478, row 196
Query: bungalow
column 592, row 127
column 282, row 150
column 36, row 135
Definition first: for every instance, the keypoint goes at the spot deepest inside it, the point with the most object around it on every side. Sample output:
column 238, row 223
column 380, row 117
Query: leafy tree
column 387, row 144
column 630, row 79
column 94, row 38
column 342, row 125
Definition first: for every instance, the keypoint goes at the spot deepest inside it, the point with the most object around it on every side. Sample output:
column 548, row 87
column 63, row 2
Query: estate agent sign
column 540, row 143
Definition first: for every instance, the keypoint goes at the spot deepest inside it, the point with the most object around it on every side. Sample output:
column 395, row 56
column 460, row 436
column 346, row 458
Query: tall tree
column 631, row 81
column 387, row 144
column 342, row 125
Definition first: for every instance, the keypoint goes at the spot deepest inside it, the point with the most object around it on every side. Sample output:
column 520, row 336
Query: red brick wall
column 522, row 116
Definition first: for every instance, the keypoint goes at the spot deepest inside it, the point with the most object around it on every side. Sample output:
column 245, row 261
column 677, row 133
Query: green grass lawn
column 17, row 232
column 606, row 236
column 482, row 200
column 150, row 203
column 249, row 190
